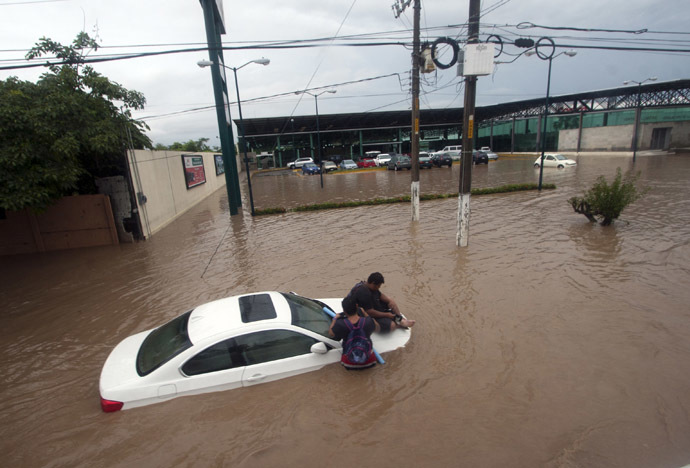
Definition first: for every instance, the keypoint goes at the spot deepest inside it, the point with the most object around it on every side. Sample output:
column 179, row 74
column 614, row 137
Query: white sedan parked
column 555, row 160
column 234, row 342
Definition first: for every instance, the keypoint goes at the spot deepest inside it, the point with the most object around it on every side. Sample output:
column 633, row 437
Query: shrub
column 604, row 202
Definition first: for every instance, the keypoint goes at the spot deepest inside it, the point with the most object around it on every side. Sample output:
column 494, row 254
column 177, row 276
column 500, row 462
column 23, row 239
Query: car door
column 275, row 354
column 550, row 161
column 217, row 367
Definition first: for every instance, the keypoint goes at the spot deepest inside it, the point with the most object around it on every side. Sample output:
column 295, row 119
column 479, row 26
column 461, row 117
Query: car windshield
column 163, row 344
column 560, row 157
column 349, row 161
column 308, row 314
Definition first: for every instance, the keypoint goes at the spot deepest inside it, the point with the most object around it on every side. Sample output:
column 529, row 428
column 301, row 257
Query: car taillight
column 110, row 406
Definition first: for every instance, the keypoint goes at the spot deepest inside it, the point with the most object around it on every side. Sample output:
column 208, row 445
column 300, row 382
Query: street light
column 318, row 132
column 261, row 61
column 638, row 110
column 549, row 44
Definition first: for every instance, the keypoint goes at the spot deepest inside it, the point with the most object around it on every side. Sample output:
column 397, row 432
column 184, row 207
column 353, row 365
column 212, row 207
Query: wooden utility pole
column 463, row 232
column 414, row 137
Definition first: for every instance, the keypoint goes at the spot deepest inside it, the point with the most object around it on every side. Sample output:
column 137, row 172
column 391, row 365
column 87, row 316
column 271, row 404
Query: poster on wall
column 194, row 173
column 220, row 168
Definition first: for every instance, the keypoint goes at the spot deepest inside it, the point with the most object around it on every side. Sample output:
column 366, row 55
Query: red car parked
column 366, row 162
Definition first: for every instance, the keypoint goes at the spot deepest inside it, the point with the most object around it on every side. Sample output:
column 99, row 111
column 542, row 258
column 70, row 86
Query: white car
column 299, row 162
column 382, row 159
column 455, row 152
column 489, row 153
column 234, row 342
column 555, row 160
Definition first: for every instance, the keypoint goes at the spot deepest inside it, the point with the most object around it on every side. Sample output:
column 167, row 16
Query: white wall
column 160, row 177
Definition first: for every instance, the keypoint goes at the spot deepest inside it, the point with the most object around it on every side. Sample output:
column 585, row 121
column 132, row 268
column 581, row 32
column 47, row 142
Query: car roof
column 226, row 314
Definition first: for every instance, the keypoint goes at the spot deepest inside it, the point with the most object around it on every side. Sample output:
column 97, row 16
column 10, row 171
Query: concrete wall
column 159, row 181
column 619, row 137
column 70, row 223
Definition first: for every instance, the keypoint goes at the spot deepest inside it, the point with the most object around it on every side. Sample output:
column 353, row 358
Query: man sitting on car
column 377, row 305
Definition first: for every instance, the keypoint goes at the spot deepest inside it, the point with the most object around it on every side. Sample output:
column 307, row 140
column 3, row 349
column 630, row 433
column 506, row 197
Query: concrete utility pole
column 414, row 138
column 463, row 224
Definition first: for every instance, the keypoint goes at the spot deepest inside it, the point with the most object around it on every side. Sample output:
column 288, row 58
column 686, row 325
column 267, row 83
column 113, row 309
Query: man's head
column 349, row 306
column 375, row 279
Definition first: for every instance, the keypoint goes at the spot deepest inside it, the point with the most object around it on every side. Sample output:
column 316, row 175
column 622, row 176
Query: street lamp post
column 261, row 61
column 318, row 131
column 638, row 111
column 551, row 47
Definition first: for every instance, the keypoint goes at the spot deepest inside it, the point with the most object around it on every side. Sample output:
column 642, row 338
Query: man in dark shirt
column 379, row 306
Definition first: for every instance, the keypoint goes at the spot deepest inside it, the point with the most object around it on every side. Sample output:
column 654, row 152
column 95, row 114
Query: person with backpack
column 377, row 305
column 354, row 327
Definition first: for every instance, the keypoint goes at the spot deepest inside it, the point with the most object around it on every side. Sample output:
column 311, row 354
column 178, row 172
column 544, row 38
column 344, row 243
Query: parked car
column 230, row 343
column 455, row 151
column 310, row 168
column 425, row 160
column 441, row 159
column 299, row 162
column 348, row 164
column 555, row 160
column 366, row 162
column 489, row 153
column 399, row 162
column 382, row 159
column 329, row 166
column 479, row 157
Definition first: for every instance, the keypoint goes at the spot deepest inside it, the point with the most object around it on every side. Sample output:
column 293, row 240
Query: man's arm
column 391, row 304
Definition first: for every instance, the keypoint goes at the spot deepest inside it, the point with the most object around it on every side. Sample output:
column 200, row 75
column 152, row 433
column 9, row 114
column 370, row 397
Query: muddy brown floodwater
column 548, row 342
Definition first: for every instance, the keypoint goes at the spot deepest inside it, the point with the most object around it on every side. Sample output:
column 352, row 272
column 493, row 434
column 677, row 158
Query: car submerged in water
column 234, row 342
column 555, row 160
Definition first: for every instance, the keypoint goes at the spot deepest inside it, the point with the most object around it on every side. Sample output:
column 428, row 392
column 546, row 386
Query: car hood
column 121, row 368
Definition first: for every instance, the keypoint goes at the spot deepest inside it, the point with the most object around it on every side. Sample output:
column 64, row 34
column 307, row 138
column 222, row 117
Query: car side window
column 271, row 345
column 221, row 356
column 550, row 158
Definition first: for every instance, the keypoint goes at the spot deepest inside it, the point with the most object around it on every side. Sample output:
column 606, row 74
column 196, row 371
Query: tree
column 56, row 135
column 604, row 202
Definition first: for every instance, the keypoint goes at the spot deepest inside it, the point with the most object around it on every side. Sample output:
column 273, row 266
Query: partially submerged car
column 348, row 164
column 425, row 160
column 311, row 168
column 366, row 162
column 234, row 342
column 329, row 166
column 399, row 162
column 555, row 160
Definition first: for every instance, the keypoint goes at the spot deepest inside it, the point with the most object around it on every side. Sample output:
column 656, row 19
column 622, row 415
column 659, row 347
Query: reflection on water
column 549, row 341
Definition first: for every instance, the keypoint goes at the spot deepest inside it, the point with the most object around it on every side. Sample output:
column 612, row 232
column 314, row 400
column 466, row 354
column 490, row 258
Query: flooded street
column 548, row 342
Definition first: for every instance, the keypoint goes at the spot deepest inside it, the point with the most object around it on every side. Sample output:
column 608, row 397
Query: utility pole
column 463, row 224
column 414, row 137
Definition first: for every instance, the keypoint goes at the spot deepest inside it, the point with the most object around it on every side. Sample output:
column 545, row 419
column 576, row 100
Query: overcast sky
column 174, row 85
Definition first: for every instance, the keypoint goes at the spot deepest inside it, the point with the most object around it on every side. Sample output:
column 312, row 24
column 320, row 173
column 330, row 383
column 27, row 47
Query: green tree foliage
column 56, row 135
column 605, row 202
column 193, row 146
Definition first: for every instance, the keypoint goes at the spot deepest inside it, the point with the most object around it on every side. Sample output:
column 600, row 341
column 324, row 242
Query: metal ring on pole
column 550, row 44
column 450, row 42
column 500, row 43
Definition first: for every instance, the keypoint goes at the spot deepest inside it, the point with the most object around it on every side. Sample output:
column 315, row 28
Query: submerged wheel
column 536, row 165
column 561, row 166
